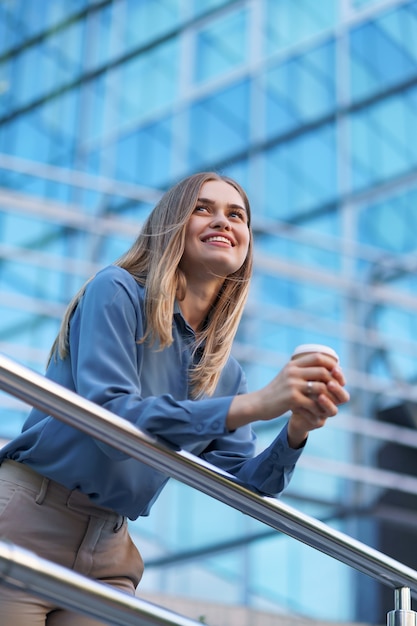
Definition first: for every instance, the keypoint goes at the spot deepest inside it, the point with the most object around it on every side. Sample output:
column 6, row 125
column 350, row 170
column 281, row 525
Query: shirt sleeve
column 269, row 472
column 106, row 361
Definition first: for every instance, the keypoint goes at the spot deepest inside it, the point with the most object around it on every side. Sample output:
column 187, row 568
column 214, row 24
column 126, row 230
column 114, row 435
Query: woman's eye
column 239, row 214
column 200, row 208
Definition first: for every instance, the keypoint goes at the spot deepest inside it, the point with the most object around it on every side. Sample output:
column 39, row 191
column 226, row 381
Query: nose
column 220, row 221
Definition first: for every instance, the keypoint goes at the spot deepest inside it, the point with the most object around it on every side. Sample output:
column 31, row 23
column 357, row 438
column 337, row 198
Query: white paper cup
column 308, row 348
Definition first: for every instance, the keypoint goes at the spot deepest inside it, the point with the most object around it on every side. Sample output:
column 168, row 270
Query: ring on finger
column 309, row 387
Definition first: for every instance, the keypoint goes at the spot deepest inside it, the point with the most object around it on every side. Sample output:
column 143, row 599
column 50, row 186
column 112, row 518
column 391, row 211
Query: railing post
column 402, row 615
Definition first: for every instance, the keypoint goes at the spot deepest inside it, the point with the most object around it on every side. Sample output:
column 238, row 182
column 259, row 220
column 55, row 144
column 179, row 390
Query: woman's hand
column 324, row 397
column 311, row 387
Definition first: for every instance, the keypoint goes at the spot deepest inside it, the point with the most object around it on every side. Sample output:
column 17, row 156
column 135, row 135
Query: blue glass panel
column 66, row 47
column 58, row 118
column 384, row 139
column 102, row 44
column 288, row 23
column 300, row 174
column 9, row 32
column 36, row 20
column 301, row 296
column 94, row 98
column 45, row 67
column 390, row 225
column 13, row 419
column 394, row 52
column 404, row 366
column 5, row 87
column 29, row 85
column 144, row 157
column 196, row 581
column 150, row 82
column 363, row 4
column 146, row 21
column 111, row 248
column 275, row 576
column 127, row 152
column 15, row 180
column 395, row 326
column 221, row 45
column 40, row 134
column 397, row 323
column 198, row 7
column 300, row 89
column 307, row 248
column 31, row 140
column 219, row 125
column 136, row 211
column 21, row 20
column 240, row 171
column 90, row 163
column 21, row 278
column 155, row 154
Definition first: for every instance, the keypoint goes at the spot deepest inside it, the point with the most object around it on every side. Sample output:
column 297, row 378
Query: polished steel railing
column 103, row 425
column 22, row 568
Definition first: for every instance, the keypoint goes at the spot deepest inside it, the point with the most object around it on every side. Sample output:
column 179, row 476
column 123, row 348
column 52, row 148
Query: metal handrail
column 22, row 568
column 103, row 425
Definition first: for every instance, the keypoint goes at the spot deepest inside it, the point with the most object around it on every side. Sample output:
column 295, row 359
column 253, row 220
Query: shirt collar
column 180, row 319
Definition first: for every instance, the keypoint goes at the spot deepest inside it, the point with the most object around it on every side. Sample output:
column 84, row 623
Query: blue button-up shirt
column 109, row 365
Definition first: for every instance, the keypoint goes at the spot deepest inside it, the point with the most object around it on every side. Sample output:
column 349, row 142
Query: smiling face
column 217, row 233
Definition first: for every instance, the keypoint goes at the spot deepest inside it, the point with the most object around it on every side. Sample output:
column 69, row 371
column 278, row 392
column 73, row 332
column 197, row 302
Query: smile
column 218, row 238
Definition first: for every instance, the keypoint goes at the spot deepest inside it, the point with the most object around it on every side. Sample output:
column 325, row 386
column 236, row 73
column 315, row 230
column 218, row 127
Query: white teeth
column 222, row 239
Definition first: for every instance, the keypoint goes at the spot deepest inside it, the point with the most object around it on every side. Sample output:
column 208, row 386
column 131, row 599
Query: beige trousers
column 65, row 527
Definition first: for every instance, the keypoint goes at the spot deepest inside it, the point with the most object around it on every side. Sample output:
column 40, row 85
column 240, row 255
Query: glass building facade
column 312, row 106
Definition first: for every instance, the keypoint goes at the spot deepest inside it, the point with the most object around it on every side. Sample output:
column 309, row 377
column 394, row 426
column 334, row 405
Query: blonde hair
column 154, row 259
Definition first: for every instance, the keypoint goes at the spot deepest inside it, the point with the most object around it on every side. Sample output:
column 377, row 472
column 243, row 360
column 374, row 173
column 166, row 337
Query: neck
column 197, row 303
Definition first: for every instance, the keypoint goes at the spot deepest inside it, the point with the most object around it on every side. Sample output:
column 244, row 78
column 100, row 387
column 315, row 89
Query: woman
column 149, row 338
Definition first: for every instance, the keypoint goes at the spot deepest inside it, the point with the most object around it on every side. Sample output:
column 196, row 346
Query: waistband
column 45, row 488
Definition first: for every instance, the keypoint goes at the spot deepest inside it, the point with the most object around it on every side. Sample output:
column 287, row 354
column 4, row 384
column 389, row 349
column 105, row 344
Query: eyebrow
column 231, row 206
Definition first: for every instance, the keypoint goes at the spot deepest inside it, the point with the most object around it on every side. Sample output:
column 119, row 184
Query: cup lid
column 315, row 347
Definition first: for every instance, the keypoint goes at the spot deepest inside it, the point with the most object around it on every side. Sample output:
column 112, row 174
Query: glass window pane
column 300, row 89
column 144, row 157
column 390, row 225
column 219, row 125
column 150, row 82
column 146, row 21
column 392, row 39
column 300, row 174
column 202, row 6
column 288, row 23
column 384, row 139
column 221, row 46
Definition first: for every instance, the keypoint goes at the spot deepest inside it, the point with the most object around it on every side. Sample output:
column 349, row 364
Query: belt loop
column 42, row 493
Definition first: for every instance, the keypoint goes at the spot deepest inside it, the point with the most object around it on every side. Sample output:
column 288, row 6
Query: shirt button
column 199, row 428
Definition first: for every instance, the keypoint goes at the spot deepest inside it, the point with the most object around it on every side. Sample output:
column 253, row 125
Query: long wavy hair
column 153, row 260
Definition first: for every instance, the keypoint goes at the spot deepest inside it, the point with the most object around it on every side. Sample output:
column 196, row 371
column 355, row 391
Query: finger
column 338, row 375
column 320, row 374
column 309, row 388
column 315, row 359
column 331, row 389
column 327, row 406
column 338, row 393
column 313, row 388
